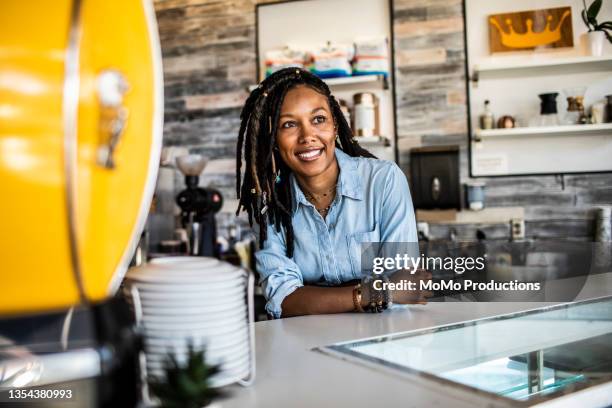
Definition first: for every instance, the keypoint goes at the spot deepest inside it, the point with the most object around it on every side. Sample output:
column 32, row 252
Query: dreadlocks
column 265, row 191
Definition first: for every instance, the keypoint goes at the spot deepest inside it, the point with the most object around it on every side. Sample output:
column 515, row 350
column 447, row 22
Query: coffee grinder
column 198, row 207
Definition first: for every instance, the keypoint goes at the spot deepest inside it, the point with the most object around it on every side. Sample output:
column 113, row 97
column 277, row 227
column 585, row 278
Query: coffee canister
column 366, row 114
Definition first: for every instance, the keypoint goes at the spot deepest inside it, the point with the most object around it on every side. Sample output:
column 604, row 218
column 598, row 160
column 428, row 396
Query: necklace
column 314, row 198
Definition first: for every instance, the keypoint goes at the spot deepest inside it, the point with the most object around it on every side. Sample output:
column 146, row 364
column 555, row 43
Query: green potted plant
column 186, row 385
column 597, row 31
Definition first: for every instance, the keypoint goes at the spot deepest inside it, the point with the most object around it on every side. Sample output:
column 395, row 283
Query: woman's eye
column 320, row 119
column 287, row 124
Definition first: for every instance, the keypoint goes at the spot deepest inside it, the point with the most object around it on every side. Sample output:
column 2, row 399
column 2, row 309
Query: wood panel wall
column 209, row 58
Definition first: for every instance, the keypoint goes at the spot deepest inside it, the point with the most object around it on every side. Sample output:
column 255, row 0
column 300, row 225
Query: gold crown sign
column 531, row 29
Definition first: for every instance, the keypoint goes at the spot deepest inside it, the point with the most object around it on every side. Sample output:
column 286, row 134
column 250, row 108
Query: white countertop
column 290, row 374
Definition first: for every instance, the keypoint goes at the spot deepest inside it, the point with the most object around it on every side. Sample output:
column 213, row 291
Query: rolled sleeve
column 280, row 276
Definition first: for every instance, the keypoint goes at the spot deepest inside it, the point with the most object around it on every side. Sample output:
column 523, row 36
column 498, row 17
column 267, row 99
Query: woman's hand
column 416, row 295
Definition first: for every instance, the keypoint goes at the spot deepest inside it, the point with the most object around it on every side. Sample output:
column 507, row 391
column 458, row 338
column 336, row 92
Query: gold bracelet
column 357, row 298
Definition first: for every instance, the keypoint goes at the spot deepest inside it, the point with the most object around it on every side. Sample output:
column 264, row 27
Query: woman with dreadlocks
column 316, row 196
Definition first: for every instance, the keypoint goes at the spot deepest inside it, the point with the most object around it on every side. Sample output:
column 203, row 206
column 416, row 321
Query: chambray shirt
column 372, row 204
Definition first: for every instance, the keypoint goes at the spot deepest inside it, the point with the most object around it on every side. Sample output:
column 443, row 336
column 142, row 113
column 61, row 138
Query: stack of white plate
column 203, row 301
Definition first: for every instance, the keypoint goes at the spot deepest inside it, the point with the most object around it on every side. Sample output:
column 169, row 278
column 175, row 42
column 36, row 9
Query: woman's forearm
column 318, row 300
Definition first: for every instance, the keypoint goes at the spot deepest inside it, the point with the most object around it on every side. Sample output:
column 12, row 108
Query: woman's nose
column 307, row 133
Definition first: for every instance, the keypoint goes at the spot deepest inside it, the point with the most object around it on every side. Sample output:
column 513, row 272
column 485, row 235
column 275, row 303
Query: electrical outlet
column 517, row 229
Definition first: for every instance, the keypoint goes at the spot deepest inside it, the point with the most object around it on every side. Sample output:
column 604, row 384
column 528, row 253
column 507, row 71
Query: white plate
column 213, row 311
column 192, row 303
column 175, row 261
column 214, row 342
column 214, row 321
column 208, row 296
column 211, row 342
column 227, row 364
column 186, row 303
column 208, row 312
column 204, row 325
column 227, row 356
column 174, row 311
column 204, row 316
column 225, row 377
column 193, row 331
column 188, row 279
column 186, row 270
column 208, row 287
column 197, row 301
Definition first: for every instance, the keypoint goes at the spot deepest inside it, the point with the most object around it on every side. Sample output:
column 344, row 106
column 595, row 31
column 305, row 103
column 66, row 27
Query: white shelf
column 373, row 140
column 568, row 130
column 359, row 80
column 496, row 66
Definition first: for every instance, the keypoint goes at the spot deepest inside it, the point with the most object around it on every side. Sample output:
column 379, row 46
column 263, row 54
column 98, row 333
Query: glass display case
column 523, row 358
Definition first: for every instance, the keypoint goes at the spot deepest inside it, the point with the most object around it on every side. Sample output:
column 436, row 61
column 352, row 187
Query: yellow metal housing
column 109, row 204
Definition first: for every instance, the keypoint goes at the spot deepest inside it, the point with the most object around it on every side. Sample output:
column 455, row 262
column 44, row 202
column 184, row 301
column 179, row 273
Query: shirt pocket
column 354, row 242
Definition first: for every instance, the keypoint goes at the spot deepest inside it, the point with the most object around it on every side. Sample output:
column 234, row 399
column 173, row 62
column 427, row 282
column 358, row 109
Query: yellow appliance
column 81, row 109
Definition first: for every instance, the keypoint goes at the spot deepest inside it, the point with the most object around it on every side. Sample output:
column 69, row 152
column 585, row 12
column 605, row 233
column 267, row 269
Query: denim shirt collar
column 348, row 181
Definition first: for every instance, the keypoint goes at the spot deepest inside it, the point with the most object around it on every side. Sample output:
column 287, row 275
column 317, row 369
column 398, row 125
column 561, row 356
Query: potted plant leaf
column 186, row 385
column 597, row 31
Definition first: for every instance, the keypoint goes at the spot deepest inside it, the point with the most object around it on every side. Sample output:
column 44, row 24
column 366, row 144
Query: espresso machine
column 198, row 207
column 87, row 144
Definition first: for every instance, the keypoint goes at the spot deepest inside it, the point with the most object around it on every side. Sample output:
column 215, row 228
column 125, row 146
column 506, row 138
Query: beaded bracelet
column 379, row 299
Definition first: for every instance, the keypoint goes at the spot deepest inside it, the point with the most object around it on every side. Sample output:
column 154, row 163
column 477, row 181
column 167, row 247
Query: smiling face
column 306, row 133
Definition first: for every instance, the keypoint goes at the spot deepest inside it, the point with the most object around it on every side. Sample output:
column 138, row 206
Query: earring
column 337, row 138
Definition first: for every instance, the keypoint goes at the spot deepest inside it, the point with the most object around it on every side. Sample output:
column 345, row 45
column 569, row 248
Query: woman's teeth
column 310, row 155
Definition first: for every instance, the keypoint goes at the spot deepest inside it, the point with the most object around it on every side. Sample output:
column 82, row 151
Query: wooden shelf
column 539, row 63
column 379, row 81
column 568, row 130
column 488, row 215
